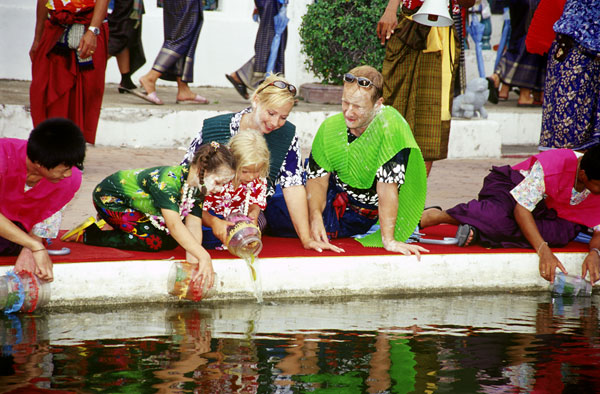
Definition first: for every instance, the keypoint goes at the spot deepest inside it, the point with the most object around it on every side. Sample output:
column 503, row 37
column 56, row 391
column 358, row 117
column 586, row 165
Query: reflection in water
column 488, row 344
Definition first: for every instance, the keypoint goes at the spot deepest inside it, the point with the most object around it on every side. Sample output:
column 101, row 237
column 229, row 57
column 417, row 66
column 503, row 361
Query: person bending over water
column 366, row 166
column 158, row 208
column 38, row 177
column 246, row 193
column 272, row 102
column 543, row 201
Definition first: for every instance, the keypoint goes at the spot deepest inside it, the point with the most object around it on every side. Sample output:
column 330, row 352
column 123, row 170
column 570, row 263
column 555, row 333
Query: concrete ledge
column 169, row 128
column 309, row 277
column 474, row 138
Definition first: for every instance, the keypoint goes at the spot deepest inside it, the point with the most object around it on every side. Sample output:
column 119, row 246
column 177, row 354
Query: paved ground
column 221, row 99
column 450, row 182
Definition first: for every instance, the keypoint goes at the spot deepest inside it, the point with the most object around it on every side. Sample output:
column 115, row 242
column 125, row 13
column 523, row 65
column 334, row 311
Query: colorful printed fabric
column 530, row 191
column 342, row 216
column 132, row 230
column 560, row 170
column 571, row 100
column 492, row 214
column 127, row 198
column 182, row 20
column 291, row 172
column 581, row 21
column 50, row 227
column 233, row 199
column 70, row 5
column 145, row 190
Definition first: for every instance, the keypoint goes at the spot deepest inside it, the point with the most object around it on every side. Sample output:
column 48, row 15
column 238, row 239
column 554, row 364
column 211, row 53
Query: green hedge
column 337, row 35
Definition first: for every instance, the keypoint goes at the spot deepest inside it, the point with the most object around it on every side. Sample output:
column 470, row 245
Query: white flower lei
column 247, row 200
column 185, row 207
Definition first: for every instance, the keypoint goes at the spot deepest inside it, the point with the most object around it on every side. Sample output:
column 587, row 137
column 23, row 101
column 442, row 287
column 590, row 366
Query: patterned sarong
column 517, row 66
column 571, row 100
column 253, row 71
column 132, row 230
column 182, row 25
column 413, row 85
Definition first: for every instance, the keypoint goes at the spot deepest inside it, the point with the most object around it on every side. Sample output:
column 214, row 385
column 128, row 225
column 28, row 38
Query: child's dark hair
column 211, row 156
column 590, row 163
column 56, row 141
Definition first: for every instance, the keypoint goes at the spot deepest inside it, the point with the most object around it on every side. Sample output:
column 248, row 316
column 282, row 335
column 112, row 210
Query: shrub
column 337, row 35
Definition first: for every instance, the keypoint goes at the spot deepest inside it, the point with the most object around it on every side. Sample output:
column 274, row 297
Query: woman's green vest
column 278, row 141
column 356, row 164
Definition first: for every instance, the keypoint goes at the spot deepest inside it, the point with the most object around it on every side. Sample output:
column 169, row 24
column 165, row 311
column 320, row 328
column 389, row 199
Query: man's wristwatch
column 95, row 30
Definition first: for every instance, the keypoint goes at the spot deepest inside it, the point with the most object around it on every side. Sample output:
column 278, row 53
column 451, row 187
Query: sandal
column 463, row 232
column 493, row 96
column 197, row 99
column 79, row 230
column 240, row 87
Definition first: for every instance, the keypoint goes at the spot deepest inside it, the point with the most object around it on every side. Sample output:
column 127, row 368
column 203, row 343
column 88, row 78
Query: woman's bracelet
column 540, row 247
column 595, row 250
column 39, row 250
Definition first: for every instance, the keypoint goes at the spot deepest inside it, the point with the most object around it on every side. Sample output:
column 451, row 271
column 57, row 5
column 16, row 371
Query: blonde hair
column 272, row 96
column 249, row 148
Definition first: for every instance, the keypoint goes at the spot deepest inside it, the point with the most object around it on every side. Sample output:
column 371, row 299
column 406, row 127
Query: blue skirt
column 571, row 100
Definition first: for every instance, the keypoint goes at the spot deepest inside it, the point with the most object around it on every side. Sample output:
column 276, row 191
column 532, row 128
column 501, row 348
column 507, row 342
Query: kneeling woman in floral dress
column 158, row 208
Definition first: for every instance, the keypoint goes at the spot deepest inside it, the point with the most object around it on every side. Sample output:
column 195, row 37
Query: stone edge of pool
column 122, row 282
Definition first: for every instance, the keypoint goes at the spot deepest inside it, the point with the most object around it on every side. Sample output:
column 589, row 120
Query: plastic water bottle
column 179, row 282
column 570, row 286
column 22, row 292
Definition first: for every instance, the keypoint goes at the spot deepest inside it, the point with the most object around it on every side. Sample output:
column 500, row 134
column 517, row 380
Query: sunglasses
column 362, row 82
column 280, row 85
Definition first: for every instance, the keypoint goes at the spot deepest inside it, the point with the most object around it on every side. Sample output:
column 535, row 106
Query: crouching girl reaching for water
column 246, row 193
column 145, row 209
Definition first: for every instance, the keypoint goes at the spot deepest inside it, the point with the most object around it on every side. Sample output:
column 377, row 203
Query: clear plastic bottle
column 570, row 286
column 22, row 292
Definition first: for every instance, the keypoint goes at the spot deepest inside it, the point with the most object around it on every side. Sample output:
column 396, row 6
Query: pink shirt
column 560, row 170
column 42, row 200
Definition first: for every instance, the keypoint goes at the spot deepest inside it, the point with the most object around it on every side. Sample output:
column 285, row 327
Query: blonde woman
column 271, row 105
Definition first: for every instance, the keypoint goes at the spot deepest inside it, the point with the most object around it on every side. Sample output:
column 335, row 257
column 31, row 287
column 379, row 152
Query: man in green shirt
column 365, row 166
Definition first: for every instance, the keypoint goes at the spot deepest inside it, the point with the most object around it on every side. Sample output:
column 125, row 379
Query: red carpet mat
column 276, row 247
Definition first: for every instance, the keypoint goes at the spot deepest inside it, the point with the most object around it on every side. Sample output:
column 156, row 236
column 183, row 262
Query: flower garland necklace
column 185, row 207
column 246, row 200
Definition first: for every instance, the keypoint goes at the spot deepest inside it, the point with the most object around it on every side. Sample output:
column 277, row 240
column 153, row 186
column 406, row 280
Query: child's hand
column 205, row 275
column 220, row 229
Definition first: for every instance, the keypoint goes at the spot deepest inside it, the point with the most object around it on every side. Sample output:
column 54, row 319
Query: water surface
column 457, row 344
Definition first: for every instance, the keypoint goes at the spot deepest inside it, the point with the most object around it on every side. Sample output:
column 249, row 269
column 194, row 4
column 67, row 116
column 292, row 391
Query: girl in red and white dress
column 245, row 194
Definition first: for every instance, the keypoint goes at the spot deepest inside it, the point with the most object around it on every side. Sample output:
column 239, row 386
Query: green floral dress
column 131, row 202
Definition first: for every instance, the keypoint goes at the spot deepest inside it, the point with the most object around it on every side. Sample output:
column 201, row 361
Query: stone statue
column 470, row 103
